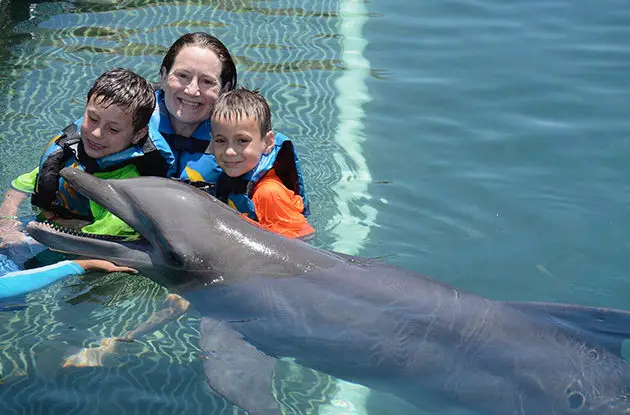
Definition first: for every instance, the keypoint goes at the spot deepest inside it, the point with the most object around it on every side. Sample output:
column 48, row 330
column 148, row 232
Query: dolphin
column 262, row 296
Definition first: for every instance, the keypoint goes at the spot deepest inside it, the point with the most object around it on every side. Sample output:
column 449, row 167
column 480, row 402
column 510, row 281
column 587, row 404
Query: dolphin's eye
column 576, row 400
column 174, row 260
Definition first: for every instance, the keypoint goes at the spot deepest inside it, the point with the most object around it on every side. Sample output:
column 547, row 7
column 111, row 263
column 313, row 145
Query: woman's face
column 191, row 88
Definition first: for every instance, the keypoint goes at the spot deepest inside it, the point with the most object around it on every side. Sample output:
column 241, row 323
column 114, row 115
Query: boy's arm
column 10, row 226
column 279, row 210
column 9, row 223
column 11, row 204
column 20, row 189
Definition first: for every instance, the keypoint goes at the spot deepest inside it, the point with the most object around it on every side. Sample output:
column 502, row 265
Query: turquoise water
column 503, row 129
column 479, row 142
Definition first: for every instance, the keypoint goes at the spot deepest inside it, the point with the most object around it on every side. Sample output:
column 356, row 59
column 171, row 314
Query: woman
column 195, row 71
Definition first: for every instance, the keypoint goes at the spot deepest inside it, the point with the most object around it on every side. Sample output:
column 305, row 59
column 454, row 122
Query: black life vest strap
column 285, row 167
column 227, row 185
column 204, row 186
column 47, row 180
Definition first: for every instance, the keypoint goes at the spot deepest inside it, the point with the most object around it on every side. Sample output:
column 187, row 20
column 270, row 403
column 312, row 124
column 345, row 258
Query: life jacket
column 151, row 157
column 193, row 159
column 237, row 191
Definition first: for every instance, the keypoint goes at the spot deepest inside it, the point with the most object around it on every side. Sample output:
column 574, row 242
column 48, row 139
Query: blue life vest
column 237, row 191
column 151, row 157
column 194, row 161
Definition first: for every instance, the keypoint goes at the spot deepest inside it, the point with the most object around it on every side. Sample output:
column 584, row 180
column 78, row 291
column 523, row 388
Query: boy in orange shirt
column 261, row 173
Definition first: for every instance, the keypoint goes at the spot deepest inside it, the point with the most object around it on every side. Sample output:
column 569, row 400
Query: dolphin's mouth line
column 132, row 250
column 58, row 228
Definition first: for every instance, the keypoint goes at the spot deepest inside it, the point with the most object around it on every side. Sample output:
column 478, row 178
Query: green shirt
column 105, row 223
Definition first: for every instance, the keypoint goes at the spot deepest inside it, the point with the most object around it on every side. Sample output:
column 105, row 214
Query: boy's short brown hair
column 128, row 91
column 242, row 103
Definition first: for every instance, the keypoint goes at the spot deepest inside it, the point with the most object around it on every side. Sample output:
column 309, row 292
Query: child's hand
column 8, row 224
column 13, row 238
column 102, row 265
column 11, row 232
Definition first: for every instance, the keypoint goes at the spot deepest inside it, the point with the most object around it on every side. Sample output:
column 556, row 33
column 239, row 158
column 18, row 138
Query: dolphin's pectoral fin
column 603, row 327
column 237, row 370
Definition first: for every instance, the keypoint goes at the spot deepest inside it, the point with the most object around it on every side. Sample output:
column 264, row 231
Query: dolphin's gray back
column 403, row 333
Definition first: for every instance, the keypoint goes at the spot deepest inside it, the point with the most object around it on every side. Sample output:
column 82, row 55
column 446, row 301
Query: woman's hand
column 102, row 265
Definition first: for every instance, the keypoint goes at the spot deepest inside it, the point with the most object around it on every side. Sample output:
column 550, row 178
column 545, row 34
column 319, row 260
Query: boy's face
column 107, row 130
column 239, row 145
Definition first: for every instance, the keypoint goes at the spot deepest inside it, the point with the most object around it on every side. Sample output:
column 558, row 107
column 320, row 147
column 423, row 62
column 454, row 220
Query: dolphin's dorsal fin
column 595, row 326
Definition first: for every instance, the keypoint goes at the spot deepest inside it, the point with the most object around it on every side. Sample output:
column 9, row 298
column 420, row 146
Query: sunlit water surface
column 479, row 142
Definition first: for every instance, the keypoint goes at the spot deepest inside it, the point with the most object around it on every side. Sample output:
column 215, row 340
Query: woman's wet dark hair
column 207, row 41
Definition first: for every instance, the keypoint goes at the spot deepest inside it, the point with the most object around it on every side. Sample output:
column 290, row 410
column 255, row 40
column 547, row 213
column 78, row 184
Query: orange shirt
column 278, row 209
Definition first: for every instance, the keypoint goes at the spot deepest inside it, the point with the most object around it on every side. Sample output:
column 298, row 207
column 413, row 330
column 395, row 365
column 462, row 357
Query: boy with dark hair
column 261, row 173
column 110, row 141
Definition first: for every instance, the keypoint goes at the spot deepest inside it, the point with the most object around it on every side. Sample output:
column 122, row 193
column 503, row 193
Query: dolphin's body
column 263, row 296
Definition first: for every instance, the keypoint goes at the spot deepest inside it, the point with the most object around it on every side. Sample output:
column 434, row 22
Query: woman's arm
column 102, row 265
column 26, row 281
